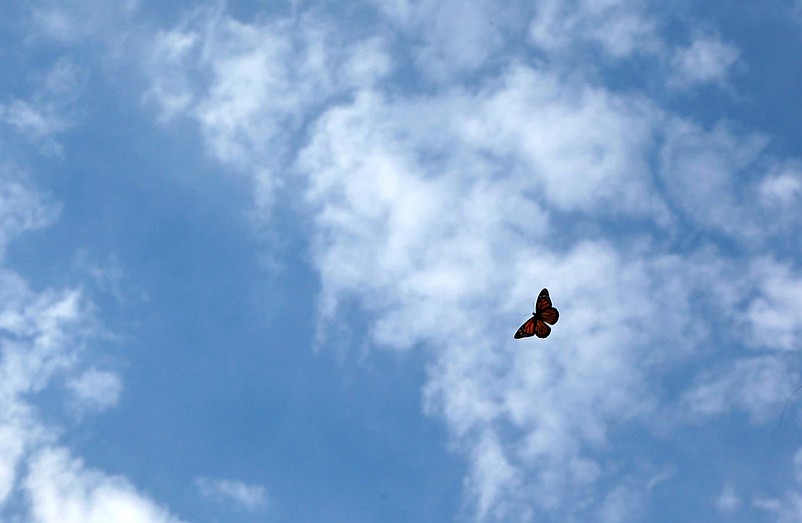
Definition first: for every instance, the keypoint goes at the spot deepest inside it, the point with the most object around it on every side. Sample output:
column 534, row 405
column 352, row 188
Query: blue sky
column 264, row 261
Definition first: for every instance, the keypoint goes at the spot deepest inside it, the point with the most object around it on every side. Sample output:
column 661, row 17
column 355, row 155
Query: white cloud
column 598, row 33
column 580, row 147
column 30, row 121
column 61, row 489
column 621, row 505
column 250, row 86
column 441, row 214
column 36, row 123
column 18, row 432
column 620, row 28
column 43, row 334
column 755, row 385
column 797, row 462
column 728, row 501
column 34, row 329
column 657, row 479
column 21, row 209
column 782, row 188
column 453, row 37
column 707, row 59
column 700, row 171
column 41, row 340
column 244, row 495
column 786, row 508
column 416, row 241
column 775, row 310
column 417, row 224
column 495, row 483
column 55, row 23
column 47, row 112
column 78, row 20
column 95, row 389
column 42, row 337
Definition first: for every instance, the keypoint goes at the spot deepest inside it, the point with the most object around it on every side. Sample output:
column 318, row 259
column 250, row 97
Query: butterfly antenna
column 784, row 407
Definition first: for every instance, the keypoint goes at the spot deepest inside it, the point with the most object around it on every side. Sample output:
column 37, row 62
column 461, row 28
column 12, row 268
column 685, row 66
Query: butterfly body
column 543, row 316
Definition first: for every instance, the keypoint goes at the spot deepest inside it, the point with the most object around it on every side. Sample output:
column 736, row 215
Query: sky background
column 263, row 261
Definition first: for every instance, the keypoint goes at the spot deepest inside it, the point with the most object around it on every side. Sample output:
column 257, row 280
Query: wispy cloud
column 728, row 501
column 21, row 207
column 751, row 384
column 440, row 201
column 44, row 334
column 43, row 117
column 79, row 21
column 244, row 495
column 61, row 489
column 707, row 59
column 453, row 38
column 787, row 507
column 784, row 187
column 96, row 389
column 41, row 338
column 441, row 212
column 619, row 28
column 251, row 87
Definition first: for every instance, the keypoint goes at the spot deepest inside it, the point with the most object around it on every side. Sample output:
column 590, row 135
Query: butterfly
column 544, row 313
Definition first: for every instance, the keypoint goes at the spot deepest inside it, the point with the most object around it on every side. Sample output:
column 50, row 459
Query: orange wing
column 541, row 329
column 549, row 315
column 543, row 301
column 527, row 329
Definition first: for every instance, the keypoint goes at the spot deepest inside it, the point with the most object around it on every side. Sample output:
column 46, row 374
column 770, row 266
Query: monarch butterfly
column 544, row 313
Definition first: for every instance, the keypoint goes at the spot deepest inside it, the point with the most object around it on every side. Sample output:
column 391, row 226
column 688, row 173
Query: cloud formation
column 443, row 186
column 43, row 338
column 243, row 495
column 442, row 211
column 61, row 489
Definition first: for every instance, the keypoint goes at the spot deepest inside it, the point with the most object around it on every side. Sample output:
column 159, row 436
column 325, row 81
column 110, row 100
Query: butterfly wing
column 527, row 329
column 549, row 315
column 544, row 314
column 543, row 301
column 544, row 310
column 541, row 329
